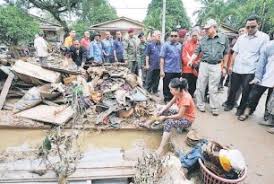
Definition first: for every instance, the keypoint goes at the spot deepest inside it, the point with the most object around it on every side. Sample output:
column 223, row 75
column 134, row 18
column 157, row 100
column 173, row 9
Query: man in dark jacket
column 78, row 54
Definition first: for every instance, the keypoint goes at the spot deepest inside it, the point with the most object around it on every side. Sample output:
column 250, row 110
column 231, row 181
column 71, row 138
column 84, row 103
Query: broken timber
column 36, row 71
column 6, row 88
column 57, row 115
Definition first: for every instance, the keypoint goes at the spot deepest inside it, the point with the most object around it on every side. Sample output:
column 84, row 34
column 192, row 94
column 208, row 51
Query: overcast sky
column 136, row 9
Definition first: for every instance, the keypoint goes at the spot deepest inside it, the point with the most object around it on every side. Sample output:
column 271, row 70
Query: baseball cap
column 210, row 23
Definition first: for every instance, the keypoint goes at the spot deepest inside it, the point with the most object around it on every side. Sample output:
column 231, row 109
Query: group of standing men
column 249, row 63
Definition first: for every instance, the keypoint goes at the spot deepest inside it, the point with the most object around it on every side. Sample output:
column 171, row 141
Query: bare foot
column 159, row 152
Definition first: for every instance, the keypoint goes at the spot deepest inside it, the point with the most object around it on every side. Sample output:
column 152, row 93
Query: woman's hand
column 162, row 118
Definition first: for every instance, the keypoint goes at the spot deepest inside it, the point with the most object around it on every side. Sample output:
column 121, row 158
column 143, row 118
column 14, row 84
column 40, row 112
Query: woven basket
column 211, row 178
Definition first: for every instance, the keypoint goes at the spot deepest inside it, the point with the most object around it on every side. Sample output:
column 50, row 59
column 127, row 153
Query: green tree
column 235, row 12
column 58, row 9
column 97, row 11
column 93, row 12
column 175, row 15
column 16, row 26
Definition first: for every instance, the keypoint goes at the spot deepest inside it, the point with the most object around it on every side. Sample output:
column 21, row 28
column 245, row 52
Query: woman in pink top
column 179, row 119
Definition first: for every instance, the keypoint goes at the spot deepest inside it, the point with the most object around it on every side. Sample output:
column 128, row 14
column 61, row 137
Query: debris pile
column 152, row 169
column 110, row 94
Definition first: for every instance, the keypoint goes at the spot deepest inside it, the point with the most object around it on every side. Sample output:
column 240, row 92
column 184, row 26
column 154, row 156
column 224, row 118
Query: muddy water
column 88, row 140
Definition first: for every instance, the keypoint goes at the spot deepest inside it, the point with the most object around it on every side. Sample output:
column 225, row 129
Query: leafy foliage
column 235, row 12
column 16, row 26
column 93, row 12
column 175, row 15
column 87, row 12
column 58, row 9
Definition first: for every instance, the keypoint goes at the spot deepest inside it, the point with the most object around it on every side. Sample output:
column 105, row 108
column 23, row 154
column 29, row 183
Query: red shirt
column 188, row 50
column 186, row 101
column 85, row 42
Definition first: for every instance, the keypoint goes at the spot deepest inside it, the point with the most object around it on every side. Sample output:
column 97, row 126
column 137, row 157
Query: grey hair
column 156, row 32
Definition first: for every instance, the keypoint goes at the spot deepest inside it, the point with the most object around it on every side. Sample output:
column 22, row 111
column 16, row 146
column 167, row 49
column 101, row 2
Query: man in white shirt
column 41, row 47
column 264, row 80
column 246, row 54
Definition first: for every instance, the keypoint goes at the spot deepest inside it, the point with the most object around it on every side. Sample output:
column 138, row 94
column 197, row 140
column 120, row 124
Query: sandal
column 243, row 117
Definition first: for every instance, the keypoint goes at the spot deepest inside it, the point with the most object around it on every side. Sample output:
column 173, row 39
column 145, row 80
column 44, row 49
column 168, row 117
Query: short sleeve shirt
column 213, row 49
column 153, row 52
column 187, row 101
column 248, row 50
column 171, row 52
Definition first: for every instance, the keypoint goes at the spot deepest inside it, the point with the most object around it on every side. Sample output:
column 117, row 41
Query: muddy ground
column 256, row 144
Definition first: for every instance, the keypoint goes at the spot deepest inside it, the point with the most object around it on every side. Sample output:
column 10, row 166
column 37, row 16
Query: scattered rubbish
column 30, row 99
column 192, row 138
column 152, row 169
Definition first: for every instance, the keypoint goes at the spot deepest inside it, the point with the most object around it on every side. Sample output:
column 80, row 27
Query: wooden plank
column 80, row 174
column 36, row 71
column 50, row 114
column 62, row 70
column 5, row 89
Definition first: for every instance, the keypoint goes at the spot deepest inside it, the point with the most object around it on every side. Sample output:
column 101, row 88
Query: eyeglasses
column 250, row 27
column 173, row 36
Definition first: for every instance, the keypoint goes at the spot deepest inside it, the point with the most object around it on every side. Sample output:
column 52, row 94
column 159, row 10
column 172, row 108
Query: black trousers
column 152, row 80
column 237, row 81
column 168, row 76
column 191, row 79
column 255, row 94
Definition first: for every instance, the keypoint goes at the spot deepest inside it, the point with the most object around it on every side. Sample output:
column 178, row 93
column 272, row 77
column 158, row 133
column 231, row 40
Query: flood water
column 88, row 140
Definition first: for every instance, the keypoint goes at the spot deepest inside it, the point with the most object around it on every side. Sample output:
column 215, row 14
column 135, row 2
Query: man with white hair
column 86, row 40
column 153, row 63
column 214, row 47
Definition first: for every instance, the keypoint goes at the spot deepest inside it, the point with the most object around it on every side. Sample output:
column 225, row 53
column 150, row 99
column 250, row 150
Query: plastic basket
column 210, row 178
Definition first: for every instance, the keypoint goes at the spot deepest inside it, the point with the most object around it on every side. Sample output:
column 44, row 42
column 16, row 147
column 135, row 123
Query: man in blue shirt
column 170, row 63
column 152, row 64
column 107, row 44
column 96, row 50
column 118, row 48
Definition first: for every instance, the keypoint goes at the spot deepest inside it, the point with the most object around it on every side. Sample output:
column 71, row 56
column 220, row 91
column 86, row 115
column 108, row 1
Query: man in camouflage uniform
column 141, row 57
column 130, row 52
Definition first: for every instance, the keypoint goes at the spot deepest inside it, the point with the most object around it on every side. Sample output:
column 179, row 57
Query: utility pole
column 164, row 21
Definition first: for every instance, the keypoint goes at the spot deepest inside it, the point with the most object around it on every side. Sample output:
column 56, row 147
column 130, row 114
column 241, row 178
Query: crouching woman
column 184, row 117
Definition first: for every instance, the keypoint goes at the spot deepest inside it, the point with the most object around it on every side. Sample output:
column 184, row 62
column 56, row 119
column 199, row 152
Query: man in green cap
column 214, row 47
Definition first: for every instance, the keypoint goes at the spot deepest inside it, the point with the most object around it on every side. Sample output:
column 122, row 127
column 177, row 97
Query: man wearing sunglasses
column 170, row 62
column 246, row 54
column 214, row 49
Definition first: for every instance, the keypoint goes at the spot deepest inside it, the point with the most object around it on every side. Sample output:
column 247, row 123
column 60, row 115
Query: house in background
column 230, row 32
column 53, row 32
column 121, row 24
